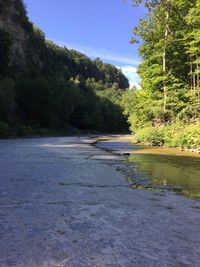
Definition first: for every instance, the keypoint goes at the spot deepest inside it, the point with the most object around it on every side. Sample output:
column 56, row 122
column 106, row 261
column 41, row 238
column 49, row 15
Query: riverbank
column 179, row 135
column 146, row 147
column 64, row 202
column 161, row 168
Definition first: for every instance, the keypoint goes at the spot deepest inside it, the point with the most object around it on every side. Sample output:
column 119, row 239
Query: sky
column 97, row 28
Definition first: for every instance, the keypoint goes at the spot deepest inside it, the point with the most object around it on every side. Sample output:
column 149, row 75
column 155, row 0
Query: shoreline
column 149, row 148
column 140, row 180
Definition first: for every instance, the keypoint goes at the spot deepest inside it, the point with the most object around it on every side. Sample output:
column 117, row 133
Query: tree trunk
column 191, row 69
column 198, row 82
column 194, row 81
column 164, row 86
column 164, row 52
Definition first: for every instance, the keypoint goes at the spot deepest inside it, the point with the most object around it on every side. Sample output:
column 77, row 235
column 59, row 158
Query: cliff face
column 51, row 86
column 11, row 22
column 23, row 48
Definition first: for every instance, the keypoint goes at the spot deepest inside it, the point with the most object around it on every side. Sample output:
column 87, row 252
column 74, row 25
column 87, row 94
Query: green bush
column 22, row 130
column 143, row 135
column 5, row 130
column 158, row 137
column 151, row 135
column 173, row 135
column 190, row 136
column 186, row 136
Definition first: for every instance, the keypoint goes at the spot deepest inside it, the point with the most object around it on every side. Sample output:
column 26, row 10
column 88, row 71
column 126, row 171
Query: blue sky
column 98, row 28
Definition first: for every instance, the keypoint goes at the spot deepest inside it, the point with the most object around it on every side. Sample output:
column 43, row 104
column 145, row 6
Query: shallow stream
column 163, row 168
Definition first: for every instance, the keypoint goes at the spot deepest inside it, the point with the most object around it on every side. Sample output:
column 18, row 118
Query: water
column 162, row 167
column 171, row 171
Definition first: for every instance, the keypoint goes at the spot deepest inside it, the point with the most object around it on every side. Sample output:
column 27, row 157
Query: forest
column 48, row 89
column 44, row 87
column 167, row 109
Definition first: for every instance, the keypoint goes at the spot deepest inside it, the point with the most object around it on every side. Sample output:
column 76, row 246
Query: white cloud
column 127, row 64
column 101, row 53
column 128, row 70
column 137, row 85
column 131, row 73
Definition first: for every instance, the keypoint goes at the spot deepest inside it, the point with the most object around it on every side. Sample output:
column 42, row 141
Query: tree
column 53, row 86
column 7, row 100
column 5, row 51
column 192, row 45
column 164, row 69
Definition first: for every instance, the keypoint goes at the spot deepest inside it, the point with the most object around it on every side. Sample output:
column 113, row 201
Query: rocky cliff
column 26, row 41
column 15, row 22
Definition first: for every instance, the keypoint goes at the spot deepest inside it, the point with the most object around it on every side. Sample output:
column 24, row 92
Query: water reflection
column 168, row 168
column 171, row 171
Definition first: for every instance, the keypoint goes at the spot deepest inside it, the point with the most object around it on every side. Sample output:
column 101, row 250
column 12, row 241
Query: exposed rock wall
column 10, row 23
column 27, row 51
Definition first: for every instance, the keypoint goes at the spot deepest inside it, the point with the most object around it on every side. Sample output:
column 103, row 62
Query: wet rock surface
column 64, row 203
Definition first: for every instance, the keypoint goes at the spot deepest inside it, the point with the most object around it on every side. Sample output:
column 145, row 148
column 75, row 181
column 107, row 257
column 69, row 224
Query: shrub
column 5, row 130
column 190, row 136
column 173, row 135
column 151, row 135
column 143, row 135
column 22, row 130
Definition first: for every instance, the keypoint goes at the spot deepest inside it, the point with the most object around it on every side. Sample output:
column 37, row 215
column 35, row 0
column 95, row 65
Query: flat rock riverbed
column 64, row 202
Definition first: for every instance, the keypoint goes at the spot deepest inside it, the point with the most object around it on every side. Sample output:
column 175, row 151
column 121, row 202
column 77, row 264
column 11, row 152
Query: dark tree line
column 43, row 85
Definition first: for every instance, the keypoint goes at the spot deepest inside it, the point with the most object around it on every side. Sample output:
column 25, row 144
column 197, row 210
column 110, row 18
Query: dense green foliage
column 44, row 86
column 173, row 135
column 170, row 52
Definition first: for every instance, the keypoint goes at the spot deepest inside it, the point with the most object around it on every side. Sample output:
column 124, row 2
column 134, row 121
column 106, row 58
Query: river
column 159, row 168
column 66, row 203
